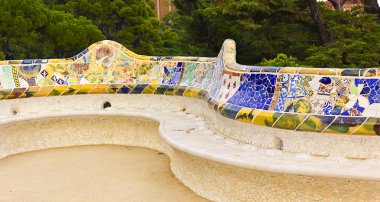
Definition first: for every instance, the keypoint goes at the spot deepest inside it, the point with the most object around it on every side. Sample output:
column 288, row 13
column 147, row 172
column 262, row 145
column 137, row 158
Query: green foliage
column 281, row 60
column 28, row 29
column 261, row 28
column 356, row 41
column 176, row 38
column 278, row 29
column 69, row 34
column 264, row 29
column 2, row 56
column 20, row 21
column 129, row 22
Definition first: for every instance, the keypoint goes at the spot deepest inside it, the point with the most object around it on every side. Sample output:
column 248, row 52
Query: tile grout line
column 278, row 119
column 329, row 125
column 253, row 119
column 359, row 126
column 299, row 125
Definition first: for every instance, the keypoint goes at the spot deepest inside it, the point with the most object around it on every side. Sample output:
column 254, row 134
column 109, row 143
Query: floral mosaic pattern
column 304, row 99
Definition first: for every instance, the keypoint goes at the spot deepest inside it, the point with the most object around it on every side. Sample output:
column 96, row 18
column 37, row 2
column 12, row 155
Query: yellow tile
column 327, row 72
column 58, row 90
column 220, row 106
column 370, row 127
column 72, row 90
column 44, row 91
column 245, row 115
column 114, row 88
column 86, row 88
column 192, row 92
column 4, row 93
column 309, row 71
column 266, row 118
column 289, row 70
column 100, row 89
column 31, row 91
column 339, row 72
column 151, row 88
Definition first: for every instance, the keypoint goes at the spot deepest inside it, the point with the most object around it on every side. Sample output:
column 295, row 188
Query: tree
column 129, row 22
column 26, row 31
column 20, row 21
column 319, row 22
column 261, row 28
column 281, row 60
column 305, row 32
column 356, row 41
column 338, row 4
column 70, row 34
column 372, row 7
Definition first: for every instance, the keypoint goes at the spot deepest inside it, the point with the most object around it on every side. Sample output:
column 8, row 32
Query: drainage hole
column 106, row 105
column 14, row 111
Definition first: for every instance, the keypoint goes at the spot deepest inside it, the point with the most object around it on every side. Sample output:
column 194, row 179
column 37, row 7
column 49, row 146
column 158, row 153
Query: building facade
column 162, row 8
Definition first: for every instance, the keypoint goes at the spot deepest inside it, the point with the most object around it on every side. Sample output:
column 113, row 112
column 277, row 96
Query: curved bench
column 281, row 98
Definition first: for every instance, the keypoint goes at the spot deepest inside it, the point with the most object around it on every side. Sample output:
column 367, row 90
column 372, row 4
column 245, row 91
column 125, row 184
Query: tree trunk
column 372, row 7
column 5, row 47
column 338, row 4
column 319, row 22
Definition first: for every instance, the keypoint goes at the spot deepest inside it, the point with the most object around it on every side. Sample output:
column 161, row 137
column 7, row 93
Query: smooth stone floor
column 91, row 173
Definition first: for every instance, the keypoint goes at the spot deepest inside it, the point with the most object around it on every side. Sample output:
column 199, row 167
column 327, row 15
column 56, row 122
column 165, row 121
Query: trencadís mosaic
column 341, row 101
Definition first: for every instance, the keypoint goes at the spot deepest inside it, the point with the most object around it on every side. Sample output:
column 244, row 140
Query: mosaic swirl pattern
column 340, row 101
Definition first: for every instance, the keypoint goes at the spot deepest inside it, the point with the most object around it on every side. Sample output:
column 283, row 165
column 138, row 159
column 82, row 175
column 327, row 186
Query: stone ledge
column 212, row 166
column 344, row 146
column 192, row 135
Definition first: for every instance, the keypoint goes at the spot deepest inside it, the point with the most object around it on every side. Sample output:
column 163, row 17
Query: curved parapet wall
column 341, row 101
column 310, row 102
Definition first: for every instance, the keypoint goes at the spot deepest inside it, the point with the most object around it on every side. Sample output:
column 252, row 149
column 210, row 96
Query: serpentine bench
column 233, row 132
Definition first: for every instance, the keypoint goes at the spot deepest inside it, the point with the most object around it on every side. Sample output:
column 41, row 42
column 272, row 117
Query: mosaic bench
column 262, row 121
column 342, row 101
